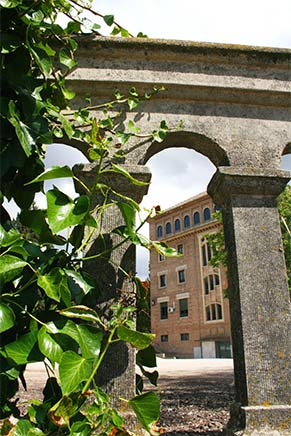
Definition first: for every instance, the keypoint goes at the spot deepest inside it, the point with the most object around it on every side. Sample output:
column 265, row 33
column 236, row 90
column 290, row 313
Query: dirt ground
column 196, row 405
column 195, row 395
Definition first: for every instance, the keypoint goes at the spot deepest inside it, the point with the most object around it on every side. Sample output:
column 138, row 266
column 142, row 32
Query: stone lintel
column 247, row 184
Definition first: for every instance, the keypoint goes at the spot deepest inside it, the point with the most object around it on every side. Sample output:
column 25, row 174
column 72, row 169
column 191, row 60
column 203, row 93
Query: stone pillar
column 259, row 298
column 117, row 374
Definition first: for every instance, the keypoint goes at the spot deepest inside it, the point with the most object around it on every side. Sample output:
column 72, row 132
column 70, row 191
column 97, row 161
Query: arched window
column 159, row 232
column 196, row 218
column 213, row 312
column 177, row 225
column 168, row 228
column 207, row 214
column 186, row 221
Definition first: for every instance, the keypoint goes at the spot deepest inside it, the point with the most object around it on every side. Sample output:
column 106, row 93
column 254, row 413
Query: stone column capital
column 117, row 181
column 246, row 183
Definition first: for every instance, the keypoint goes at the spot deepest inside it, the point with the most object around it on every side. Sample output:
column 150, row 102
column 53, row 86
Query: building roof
column 181, row 204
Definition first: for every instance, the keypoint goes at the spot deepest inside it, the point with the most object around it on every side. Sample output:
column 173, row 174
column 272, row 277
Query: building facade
column 189, row 313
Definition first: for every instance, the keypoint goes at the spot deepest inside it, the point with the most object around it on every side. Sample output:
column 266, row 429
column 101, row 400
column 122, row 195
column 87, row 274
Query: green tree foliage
column 216, row 240
column 284, row 208
column 44, row 288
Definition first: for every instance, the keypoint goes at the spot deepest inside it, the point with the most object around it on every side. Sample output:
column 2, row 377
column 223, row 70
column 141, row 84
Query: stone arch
column 235, row 103
column 187, row 139
column 287, row 149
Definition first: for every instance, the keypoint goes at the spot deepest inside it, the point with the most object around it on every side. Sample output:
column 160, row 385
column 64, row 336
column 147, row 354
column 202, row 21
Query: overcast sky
column 178, row 175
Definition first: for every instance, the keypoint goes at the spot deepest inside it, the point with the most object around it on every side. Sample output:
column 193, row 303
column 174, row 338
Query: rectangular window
column 161, row 257
column 204, row 258
column 163, row 281
column 164, row 338
column 184, row 336
column 181, row 276
column 164, row 310
column 206, row 286
column 180, row 248
column 183, row 303
column 206, row 252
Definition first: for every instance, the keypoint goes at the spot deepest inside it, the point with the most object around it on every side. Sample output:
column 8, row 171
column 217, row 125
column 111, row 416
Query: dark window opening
column 177, row 225
column 164, row 338
column 214, row 312
column 159, row 231
column 207, row 214
column 186, row 221
column 164, row 310
column 180, row 248
column 184, row 336
column 168, row 228
column 183, row 303
column 196, row 218
column 181, row 276
column 162, row 280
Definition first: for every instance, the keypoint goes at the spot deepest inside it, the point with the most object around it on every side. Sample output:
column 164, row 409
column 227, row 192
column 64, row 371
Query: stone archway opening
column 200, row 386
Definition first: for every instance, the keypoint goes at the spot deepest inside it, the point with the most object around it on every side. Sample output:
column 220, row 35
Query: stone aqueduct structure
column 235, row 104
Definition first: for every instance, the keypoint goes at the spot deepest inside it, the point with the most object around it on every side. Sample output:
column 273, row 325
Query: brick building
column 189, row 314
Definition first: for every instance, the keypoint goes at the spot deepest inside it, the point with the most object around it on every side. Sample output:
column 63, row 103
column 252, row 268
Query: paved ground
column 195, row 394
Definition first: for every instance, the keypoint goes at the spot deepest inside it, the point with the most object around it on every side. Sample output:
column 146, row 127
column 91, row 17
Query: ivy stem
column 28, row 313
column 99, row 361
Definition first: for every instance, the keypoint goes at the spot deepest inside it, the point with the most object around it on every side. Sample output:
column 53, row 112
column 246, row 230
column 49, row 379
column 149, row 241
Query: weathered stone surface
column 259, row 298
column 234, row 100
column 235, row 104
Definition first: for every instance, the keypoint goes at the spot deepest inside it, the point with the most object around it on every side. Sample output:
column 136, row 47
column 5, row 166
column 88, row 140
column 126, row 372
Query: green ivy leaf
column 73, row 27
column 120, row 170
column 109, row 19
column 73, row 369
column 128, row 214
column 7, row 317
column 146, row 408
column 64, row 212
column 54, row 172
column 116, row 30
column 80, row 428
column 78, row 286
column 9, row 3
column 24, row 349
column 36, row 221
column 132, row 127
column 67, row 126
column 164, row 250
column 132, row 103
column 81, row 312
column 10, row 268
column 55, row 339
column 22, row 130
column 147, row 357
column 52, row 283
column 66, row 58
column 90, row 339
column 22, row 428
column 65, row 408
column 8, row 238
column 136, row 339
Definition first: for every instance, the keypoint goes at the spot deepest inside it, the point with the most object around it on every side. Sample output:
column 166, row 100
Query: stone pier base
column 265, row 421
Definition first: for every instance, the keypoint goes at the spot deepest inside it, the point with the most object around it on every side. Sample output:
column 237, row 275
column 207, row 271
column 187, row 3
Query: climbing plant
column 44, row 285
